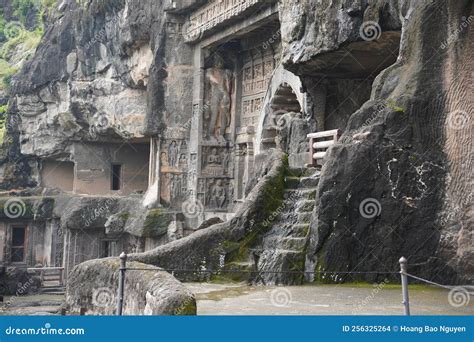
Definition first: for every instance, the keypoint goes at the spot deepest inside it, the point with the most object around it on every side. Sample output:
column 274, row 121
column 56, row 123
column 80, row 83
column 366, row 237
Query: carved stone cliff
column 393, row 76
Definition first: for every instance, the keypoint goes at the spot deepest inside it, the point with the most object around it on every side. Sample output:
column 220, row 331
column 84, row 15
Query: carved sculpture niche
column 219, row 88
column 216, row 193
column 173, row 160
column 217, row 162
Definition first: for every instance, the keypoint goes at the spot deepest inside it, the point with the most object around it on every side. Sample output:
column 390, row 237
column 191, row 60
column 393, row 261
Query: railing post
column 403, row 274
column 121, row 287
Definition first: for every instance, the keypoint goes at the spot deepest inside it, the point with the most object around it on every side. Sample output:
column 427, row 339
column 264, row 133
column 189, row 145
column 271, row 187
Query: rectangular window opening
column 116, row 177
column 109, row 248
column 18, row 244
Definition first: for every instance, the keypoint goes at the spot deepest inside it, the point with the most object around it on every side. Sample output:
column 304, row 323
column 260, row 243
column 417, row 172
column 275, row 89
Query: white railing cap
column 323, row 134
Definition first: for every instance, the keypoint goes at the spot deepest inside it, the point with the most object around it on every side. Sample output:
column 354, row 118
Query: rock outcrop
column 149, row 290
column 400, row 180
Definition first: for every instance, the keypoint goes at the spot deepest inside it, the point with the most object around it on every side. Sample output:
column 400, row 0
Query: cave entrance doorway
column 282, row 107
column 284, row 95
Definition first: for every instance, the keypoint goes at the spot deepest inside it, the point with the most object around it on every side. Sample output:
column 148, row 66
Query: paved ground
column 239, row 299
column 38, row 305
column 322, row 300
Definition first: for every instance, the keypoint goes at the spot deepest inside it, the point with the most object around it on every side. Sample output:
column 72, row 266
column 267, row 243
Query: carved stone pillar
column 240, row 156
column 195, row 153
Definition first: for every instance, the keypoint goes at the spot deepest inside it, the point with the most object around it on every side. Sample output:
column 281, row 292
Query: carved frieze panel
column 174, row 154
column 173, row 189
column 257, row 72
column 216, row 12
column 217, row 161
column 216, row 193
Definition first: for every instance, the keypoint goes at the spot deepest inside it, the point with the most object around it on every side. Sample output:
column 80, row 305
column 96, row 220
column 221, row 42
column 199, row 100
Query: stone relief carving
column 219, row 195
column 217, row 161
column 173, row 151
column 257, row 73
column 219, row 89
column 58, row 255
column 216, row 193
column 173, row 180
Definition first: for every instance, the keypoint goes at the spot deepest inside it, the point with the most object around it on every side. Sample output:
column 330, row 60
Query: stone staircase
column 52, row 283
column 281, row 256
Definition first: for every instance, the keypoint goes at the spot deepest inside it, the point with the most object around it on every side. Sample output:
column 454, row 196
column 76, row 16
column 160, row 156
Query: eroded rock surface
column 93, row 286
column 401, row 150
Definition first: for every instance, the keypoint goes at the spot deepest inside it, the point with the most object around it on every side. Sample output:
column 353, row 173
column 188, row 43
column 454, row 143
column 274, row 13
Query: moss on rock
column 156, row 223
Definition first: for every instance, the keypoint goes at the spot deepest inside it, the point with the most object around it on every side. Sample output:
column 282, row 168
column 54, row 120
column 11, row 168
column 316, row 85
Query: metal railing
column 403, row 274
column 404, row 277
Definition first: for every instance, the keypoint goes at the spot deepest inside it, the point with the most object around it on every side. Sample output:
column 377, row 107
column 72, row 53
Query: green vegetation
column 17, row 42
column 19, row 37
column 3, row 118
column 156, row 223
column 392, row 105
column 268, row 202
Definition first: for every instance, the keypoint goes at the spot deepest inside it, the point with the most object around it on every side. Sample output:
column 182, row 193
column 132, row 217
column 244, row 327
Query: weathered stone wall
column 93, row 168
column 93, row 286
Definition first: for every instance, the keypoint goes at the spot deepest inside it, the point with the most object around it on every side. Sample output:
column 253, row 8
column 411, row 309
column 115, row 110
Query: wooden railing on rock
column 319, row 144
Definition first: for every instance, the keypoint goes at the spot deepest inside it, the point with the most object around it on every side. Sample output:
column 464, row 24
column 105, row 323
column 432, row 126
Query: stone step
column 304, row 218
column 305, row 206
column 309, row 182
column 284, row 243
column 302, row 172
column 299, row 230
column 292, row 182
column 51, row 283
column 53, row 290
column 300, row 193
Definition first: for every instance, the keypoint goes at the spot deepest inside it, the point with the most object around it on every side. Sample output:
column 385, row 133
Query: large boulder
column 93, row 285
